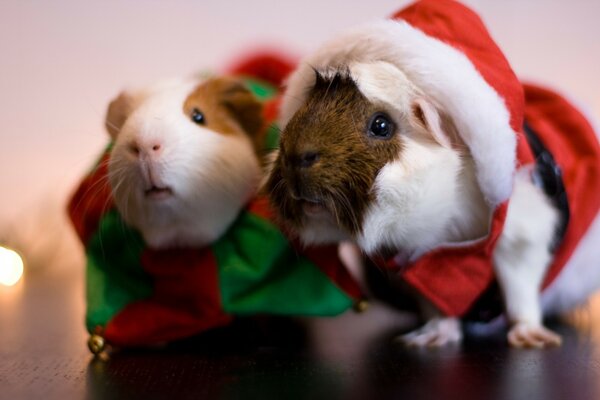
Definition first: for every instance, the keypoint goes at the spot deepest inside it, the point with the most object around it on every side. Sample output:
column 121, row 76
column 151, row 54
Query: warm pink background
column 62, row 61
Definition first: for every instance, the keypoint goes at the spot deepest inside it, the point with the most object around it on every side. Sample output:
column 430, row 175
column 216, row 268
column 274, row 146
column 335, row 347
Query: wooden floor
column 43, row 355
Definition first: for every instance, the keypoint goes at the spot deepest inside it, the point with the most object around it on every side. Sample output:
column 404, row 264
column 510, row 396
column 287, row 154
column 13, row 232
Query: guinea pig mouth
column 311, row 205
column 158, row 193
column 311, row 208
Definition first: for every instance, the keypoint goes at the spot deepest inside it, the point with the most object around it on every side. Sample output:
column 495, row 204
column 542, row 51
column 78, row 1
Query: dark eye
column 380, row 126
column 198, row 117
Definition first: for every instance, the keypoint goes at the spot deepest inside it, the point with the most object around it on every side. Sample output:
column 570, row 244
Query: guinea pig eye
column 380, row 126
column 198, row 117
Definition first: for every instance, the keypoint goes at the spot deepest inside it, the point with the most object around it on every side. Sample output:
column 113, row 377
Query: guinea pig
column 185, row 158
column 406, row 136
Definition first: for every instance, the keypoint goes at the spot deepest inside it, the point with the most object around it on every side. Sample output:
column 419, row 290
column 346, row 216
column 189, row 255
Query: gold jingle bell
column 96, row 343
column 361, row 306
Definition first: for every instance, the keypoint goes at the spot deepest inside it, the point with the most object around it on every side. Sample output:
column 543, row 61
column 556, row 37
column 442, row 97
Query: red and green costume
column 140, row 296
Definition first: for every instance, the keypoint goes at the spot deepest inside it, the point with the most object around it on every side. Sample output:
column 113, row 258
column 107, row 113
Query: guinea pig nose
column 151, row 148
column 307, row 159
column 134, row 148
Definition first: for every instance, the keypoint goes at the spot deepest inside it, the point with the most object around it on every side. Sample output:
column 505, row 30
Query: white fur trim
column 444, row 74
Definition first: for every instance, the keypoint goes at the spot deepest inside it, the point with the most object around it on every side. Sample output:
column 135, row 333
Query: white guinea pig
column 402, row 143
column 185, row 158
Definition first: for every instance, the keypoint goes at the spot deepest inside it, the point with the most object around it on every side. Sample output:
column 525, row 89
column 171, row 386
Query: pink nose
column 150, row 149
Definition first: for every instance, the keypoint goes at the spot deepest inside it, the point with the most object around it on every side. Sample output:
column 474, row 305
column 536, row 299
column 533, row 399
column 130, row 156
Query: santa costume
column 509, row 127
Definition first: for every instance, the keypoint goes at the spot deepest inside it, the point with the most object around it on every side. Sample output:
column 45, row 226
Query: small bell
column 361, row 306
column 96, row 343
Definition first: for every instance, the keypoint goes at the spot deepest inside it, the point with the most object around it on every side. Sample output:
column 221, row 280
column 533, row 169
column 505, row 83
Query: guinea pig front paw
column 528, row 335
column 437, row 332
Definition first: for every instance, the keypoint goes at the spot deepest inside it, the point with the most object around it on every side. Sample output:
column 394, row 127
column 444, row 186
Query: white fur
column 437, row 69
column 522, row 255
column 212, row 175
column 322, row 229
column 425, row 198
column 436, row 332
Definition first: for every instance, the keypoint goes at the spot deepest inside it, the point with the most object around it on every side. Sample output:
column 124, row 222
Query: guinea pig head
column 185, row 158
column 364, row 156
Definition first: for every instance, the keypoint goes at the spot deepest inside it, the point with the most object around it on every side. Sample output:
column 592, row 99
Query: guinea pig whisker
column 383, row 271
column 286, row 206
column 300, row 100
column 126, row 209
column 278, row 186
column 332, row 205
column 327, row 90
column 342, row 206
column 354, row 122
column 105, row 206
column 345, row 202
column 102, row 211
column 117, row 187
column 98, row 185
column 279, row 190
column 111, row 125
column 83, row 196
column 92, row 191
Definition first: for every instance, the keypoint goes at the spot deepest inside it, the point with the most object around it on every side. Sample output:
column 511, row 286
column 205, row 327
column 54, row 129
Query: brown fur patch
column 227, row 106
column 333, row 123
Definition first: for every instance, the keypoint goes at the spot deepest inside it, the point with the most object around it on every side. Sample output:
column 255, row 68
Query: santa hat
column 445, row 50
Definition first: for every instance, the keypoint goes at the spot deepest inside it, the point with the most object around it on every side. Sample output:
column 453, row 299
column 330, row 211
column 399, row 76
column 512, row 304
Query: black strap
column 548, row 176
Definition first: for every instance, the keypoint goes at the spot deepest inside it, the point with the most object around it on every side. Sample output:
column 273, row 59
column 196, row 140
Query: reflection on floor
column 43, row 355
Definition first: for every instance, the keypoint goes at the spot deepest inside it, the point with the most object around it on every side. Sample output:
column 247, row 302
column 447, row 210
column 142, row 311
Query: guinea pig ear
column 117, row 113
column 245, row 108
column 426, row 117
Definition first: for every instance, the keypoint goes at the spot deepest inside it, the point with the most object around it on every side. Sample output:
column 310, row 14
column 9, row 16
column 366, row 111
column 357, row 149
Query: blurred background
column 62, row 61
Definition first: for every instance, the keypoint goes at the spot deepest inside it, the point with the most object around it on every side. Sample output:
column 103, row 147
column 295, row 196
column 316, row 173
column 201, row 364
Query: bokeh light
column 11, row 267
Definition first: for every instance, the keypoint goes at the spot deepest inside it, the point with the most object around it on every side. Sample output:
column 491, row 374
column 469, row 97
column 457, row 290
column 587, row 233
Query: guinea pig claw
column 525, row 335
column 437, row 332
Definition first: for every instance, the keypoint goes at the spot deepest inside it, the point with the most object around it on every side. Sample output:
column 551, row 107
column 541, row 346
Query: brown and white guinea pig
column 185, row 158
column 345, row 173
column 392, row 139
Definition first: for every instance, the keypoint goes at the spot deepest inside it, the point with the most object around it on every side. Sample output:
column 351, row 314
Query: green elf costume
column 139, row 296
